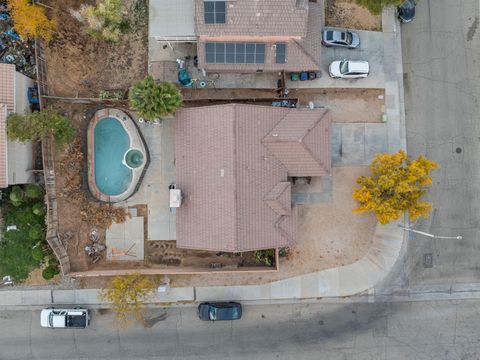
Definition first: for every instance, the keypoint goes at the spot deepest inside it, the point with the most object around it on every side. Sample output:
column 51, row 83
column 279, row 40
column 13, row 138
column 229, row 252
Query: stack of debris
column 13, row 49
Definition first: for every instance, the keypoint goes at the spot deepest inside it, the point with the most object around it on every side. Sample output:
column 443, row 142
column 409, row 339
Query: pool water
column 111, row 143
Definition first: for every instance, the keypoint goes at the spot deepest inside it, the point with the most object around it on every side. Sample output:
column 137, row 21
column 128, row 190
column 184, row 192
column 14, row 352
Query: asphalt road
column 419, row 330
column 441, row 62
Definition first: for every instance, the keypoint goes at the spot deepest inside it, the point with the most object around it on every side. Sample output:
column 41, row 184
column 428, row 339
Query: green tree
column 376, row 6
column 152, row 100
column 395, row 186
column 37, row 125
column 128, row 296
column 16, row 196
column 38, row 209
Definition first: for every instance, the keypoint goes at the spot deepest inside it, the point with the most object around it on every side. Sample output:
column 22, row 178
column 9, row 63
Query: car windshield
column 349, row 38
column 223, row 313
column 344, row 67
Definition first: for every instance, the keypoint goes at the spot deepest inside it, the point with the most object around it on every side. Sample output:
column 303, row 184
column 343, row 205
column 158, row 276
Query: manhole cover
column 458, row 150
column 427, row 260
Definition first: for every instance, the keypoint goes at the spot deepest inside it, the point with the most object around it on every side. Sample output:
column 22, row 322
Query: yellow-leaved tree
column 30, row 20
column 395, row 186
column 128, row 296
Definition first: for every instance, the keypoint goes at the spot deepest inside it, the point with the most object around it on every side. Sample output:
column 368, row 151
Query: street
column 441, row 49
column 417, row 330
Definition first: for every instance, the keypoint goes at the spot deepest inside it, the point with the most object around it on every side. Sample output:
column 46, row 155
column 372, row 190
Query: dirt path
column 347, row 14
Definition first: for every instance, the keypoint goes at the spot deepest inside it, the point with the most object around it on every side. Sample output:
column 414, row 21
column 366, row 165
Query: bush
column 152, row 100
column 16, row 196
column 33, row 191
column 38, row 209
column 49, row 272
column 39, row 124
column 104, row 20
column 265, row 257
column 37, row 253
column 35, row 232
column 376, row 6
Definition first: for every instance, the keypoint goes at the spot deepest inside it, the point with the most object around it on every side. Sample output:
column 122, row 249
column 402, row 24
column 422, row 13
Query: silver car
column 341, row 38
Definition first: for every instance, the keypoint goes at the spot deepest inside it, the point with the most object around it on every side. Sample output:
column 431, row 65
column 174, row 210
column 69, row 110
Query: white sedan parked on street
column 349, row 69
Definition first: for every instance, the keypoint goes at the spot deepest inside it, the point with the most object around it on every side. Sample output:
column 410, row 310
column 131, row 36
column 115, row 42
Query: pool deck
column 136, row 142
column 160, row 139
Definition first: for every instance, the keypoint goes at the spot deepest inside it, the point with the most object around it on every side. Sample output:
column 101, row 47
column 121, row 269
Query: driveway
column 371, row 50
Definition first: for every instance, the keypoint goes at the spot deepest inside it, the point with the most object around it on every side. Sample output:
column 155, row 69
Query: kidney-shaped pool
column 117, row 156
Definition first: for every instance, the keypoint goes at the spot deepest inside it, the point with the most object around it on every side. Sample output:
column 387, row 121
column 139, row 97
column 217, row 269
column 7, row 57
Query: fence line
column 48, row 153
column 48, row 159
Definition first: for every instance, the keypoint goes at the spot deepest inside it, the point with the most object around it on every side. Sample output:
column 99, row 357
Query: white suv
column 349, row 69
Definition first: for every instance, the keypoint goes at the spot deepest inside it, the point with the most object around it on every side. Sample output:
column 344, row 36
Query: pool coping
column 138, row 174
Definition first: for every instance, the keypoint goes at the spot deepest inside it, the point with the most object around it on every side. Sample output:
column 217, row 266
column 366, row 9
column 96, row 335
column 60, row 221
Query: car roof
column 358, row 66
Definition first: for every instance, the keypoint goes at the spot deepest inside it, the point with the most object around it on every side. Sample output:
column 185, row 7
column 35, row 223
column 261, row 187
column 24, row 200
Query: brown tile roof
column 236, row 192
column 298, row 26
column 7, row 86
column 299, row 141
column 256, row 18
column 3, row 146
column 7, row 105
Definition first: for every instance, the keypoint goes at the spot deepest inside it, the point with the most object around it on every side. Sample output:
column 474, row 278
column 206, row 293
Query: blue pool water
column 111, row 142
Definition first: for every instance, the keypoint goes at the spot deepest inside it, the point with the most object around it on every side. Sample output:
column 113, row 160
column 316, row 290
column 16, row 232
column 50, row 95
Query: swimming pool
column 117, row 155
column 112, row 142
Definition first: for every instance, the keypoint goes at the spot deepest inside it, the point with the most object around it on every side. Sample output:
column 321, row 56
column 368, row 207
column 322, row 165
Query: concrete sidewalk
column 336, row 282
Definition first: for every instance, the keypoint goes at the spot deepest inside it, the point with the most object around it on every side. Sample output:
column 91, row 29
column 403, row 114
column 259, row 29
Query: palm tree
column 152, row 100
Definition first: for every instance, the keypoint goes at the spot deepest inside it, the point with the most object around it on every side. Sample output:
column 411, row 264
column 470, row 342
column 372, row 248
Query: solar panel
column 280, row 55
column 214, row 12
column 234, row 53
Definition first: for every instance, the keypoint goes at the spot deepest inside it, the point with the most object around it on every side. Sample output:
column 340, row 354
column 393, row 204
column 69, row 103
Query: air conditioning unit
column 175, row 198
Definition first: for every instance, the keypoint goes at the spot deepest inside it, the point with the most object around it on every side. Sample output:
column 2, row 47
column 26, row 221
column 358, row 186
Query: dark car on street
column 406, row 11
column 216, row 311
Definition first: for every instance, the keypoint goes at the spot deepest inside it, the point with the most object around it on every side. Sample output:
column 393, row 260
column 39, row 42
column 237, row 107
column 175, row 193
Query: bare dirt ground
column 347, row 105
column 79, row 65
column 330, row 235
column 347, row 14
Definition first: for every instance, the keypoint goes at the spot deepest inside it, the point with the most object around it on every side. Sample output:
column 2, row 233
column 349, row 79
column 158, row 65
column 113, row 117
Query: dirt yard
column 79, row 65
column 347, row 14
column 330, row 235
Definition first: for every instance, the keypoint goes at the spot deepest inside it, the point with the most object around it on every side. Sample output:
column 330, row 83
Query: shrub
column 152, row 100
column 266, row 257
column 39, row 124
column 16, row 196
column 38, row 209
column 376, row 6
column 33, row 191
column 49, row 272
column 103, row 21
column 35, row 232
column 37, row 253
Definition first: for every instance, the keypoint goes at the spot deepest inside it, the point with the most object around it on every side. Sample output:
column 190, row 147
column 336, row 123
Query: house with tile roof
column 16, row 158
column 244, row 36
column 234, row 164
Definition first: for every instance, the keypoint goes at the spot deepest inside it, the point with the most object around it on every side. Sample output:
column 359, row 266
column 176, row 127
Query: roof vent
column 274, row 135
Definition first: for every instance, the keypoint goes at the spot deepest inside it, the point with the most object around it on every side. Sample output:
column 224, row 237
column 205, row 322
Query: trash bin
column 294, row 77
column 303, row 76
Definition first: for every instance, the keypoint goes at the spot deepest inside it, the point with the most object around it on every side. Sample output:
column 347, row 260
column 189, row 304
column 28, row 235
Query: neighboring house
column 244, row 36
column 233, row 164
column 16, row 158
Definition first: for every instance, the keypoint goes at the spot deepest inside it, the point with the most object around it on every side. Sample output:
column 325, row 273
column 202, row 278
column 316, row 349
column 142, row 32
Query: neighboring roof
column 301, row 141
column 7, row 86
column 165, row 22
column 3, row 146
column 7, row 105
column 257, row 18
column 236, row 194
column 301, row 32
